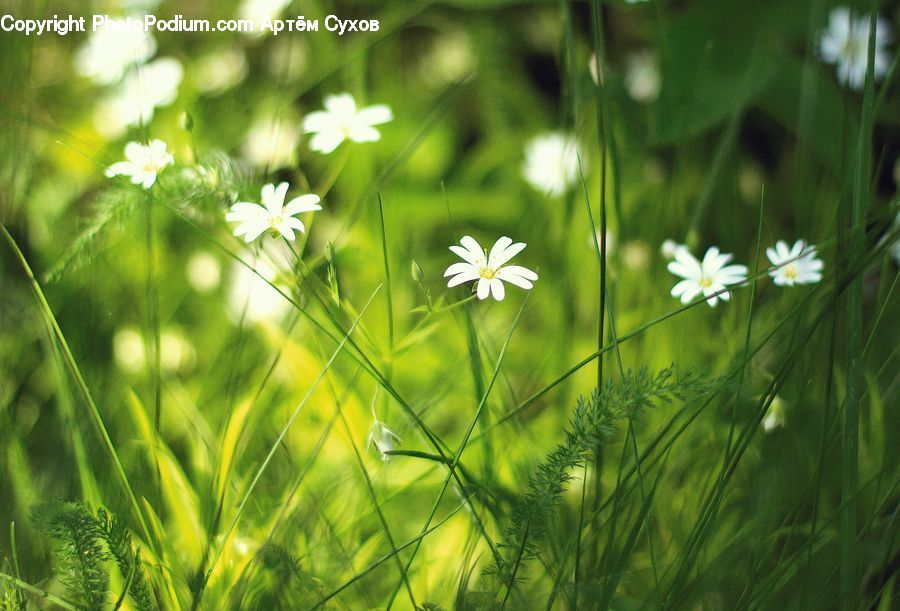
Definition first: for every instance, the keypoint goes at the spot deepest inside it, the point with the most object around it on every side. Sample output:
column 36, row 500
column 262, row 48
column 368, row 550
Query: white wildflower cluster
column 791, row 266
column 552, row 166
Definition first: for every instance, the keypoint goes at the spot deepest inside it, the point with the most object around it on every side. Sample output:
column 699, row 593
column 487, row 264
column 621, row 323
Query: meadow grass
column 169, row 442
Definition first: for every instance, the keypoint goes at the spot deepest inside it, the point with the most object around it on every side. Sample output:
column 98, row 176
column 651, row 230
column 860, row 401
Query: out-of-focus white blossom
column 642, row 78
column 108, row 54
column 342, row 120
column 221, row 70
column 551, row 163
column 136, row 99
column 128, row 350
column 203, row 271
column 845, row 43
column 669, row 248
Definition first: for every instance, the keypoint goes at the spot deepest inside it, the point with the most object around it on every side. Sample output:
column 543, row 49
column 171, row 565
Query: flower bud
column 416, row 272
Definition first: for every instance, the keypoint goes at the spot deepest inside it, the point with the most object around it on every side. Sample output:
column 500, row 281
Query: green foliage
column 11, row 597
column 276, row 581
column 78, row 549
column 83, row 543
column 199, row 192
column 112, row 209
column 128, row 559
column 594, row 421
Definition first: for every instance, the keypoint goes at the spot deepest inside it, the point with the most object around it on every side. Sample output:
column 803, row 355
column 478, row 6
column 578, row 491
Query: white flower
column 642, row 79
column 551, row 163
column 384, row 439
column 143, row 162
column 448, row 60
column 846, row 43
column 341, row 120
column 795, row 265
column 272, row 214
column 489, row 270
column 143, row 90
column 107, row 54
column 708, row 277
column 775, row 417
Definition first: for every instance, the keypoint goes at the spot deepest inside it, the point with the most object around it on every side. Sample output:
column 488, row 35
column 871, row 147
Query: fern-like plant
column 79, row 551
column 83, row 545
column 118, row 541
column 594, row 421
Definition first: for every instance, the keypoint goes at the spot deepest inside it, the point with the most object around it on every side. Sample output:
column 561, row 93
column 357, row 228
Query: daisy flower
column 845, row 43
column 272, row 214
column 709, row 276
column 142, row 163
column 795, row 265
column 341, row 120
column 384, row 439
column 489, row 269
column 551, row 163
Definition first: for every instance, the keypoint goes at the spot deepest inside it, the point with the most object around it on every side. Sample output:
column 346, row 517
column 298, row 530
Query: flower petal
column 517, row 270
column 303, row 203
column 326, row 141
column 459, row 268
column 465, row 276
column 497, row 289
column 484, row 288
column 375, row 115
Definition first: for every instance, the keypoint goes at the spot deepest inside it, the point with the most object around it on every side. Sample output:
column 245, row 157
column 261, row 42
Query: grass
column 590, row 443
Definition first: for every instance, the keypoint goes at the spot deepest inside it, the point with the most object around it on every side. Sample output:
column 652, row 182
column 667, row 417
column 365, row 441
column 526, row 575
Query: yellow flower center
column 790, row 271
column 705, row 283
column 150, row 167
column 487, row 273
column 274, row 223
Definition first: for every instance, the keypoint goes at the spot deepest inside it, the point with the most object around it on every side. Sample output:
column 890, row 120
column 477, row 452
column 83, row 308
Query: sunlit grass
column 311, row 418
